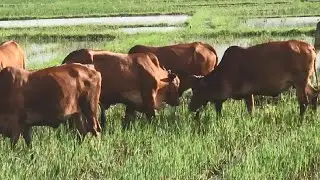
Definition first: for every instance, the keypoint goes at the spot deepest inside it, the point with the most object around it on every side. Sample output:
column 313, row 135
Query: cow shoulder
column 148, row 67
column 138, row 49
column 83, row 56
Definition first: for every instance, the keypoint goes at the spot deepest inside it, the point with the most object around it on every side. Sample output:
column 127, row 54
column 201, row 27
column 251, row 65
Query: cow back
column 11, row 54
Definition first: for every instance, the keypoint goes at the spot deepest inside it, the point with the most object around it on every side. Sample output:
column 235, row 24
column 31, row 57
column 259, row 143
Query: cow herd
column 144, row 80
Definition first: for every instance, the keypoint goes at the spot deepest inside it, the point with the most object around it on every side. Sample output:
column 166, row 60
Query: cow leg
column 218, row 106
column 26, row 129
column 300, row 84
column 150, row 114
column 249, row 100
column 149, row 104
column 198, row 115
column 14, row 138
column 103, row 117
column 90, row 111
column 312, row 96
column 27, row 135
column 15, row 131
column 81, row 126
column 128, row 118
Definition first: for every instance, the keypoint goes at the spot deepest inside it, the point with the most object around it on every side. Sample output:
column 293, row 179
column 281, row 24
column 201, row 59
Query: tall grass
column 271, row 145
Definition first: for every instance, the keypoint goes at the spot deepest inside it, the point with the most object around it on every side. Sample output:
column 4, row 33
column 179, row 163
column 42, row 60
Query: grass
column 271, row 145
column 205, row 22
column 44, row 9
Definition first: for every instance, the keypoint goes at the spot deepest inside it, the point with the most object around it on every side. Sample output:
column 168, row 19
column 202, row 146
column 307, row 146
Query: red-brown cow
column 265, row 69
column 11, row 54
column 195, row 58
column 136, row 80
column 48, row 97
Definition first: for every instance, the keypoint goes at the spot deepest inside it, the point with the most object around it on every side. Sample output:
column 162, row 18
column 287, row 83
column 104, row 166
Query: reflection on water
column 283, row 22
column 133, row 20
column 148, row 29
column 41, row 53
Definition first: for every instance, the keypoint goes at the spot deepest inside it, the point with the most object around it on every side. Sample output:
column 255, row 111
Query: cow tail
column 315, row 72
column 24, row 63
column 214, row 51
column 103, row 117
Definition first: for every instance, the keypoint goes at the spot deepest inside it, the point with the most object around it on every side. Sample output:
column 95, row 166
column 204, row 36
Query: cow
column 135, row 80
column 48, row 97
column 11, row 54
column 264, row 69
column 196, row 58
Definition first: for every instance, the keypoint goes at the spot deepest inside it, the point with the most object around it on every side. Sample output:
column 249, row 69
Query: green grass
column 44, row 9
column 205, row 22
column 271, row 145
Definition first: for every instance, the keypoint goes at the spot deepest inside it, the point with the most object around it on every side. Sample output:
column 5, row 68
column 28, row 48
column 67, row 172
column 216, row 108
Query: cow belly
column 37, row 119
column 134, row 97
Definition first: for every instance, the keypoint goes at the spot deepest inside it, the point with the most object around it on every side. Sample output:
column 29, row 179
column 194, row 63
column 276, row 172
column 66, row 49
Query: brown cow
column 265, row 69
column 136, row 80
column 195, row 58
column 11, row 54
column 48, row 97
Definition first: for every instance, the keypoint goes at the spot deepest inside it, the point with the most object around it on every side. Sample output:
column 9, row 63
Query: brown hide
column 11, row 54
column 47, row 97
column 195, row 58
column 264, row 69
column 136, row 80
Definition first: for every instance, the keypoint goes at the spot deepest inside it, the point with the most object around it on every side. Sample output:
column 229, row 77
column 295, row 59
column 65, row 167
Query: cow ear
column 172, row 76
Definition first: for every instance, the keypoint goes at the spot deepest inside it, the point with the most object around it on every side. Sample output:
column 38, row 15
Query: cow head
column 187, row 81
column 172, row 95
column 199, row 94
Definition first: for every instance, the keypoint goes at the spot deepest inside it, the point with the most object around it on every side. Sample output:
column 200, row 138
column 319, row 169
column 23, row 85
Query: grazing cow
column 265, row 69
column 136, row 80
column 11, row 54
column 48, row 97
column 195, row 58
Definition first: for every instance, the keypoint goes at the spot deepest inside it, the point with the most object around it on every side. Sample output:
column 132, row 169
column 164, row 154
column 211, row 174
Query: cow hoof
column 97, row 134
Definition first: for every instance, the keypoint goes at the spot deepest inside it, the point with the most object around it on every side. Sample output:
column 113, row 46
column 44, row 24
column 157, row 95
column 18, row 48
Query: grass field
column 18, row 9
column 271, row 145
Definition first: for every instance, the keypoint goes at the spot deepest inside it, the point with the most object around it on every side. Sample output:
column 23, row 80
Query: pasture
column 272, row 144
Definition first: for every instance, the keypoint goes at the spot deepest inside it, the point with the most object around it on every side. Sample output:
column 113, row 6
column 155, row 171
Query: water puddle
column 148, row 29
column 40, row 53
column 132, row 20
column 43, row 52
column 283, row 22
